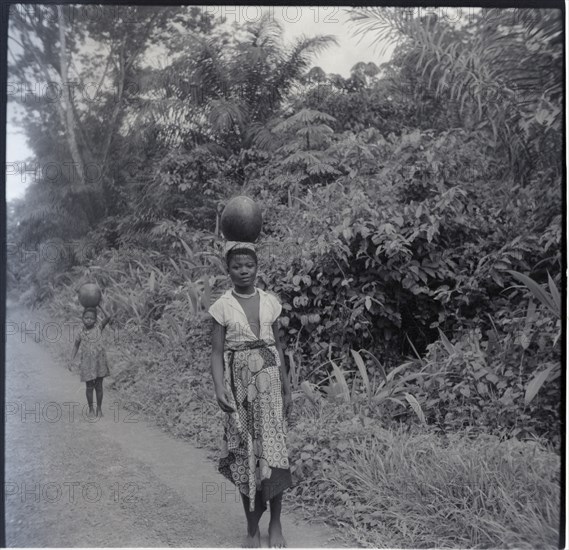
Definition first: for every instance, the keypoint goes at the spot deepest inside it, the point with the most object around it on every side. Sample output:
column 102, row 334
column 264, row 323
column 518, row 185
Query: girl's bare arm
column 106, row 318
column 75, row 348
column 217, row 343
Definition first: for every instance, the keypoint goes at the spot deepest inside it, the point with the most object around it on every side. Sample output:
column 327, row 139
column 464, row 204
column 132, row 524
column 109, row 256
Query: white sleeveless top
column 227, row 311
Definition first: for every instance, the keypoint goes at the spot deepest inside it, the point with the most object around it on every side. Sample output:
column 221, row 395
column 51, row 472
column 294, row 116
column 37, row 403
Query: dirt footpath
column 115, row 481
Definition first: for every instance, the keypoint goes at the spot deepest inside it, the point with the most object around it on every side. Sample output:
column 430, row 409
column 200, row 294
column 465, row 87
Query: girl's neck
column 250, row 289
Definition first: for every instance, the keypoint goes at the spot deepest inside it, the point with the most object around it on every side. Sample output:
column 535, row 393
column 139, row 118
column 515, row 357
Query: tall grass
column 413, row 489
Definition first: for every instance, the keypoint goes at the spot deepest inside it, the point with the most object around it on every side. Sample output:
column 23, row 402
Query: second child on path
column 93, row 366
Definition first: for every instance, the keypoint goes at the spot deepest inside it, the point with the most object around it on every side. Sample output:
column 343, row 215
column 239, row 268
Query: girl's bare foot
column 99, row 412
column 252, row 541
column 276, row 539
column 91, row 413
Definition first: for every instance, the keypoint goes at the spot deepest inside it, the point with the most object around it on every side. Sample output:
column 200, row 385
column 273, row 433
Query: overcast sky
column 329, row 20
column 296, row 21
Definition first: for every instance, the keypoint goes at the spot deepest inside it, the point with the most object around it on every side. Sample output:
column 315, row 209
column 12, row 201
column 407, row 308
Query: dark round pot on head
column 241, row 220
column 89, row 295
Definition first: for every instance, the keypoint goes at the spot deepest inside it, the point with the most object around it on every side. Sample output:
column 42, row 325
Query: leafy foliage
column 412, row 231
column 478, row 70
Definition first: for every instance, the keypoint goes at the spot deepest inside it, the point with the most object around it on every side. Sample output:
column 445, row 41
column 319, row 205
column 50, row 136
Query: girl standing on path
column 93, row 366
column 252, row 387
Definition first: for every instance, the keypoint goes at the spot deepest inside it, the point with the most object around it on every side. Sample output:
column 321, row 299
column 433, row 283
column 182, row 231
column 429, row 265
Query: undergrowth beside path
column 396, row 487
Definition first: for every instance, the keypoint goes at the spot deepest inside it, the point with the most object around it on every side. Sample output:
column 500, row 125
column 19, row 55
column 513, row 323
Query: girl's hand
column 223, row 401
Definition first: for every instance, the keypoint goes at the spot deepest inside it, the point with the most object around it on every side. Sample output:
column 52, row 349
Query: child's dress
column 93, row 356
column 254, row 453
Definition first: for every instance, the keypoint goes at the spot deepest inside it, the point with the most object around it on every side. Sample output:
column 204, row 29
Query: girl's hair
column 239, row 251
column 92, row 310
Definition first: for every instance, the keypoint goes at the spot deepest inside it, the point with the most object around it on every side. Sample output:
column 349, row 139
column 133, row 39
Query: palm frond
column 266, row 33
column 316, row 130
column 210, row 68
column 303, row 158
column 214, row 149
column 304, row 116
column 387, row 25
column 225, row 115
column 291, row 146
column 261, row 136
column 297, row 60
column 322, row 169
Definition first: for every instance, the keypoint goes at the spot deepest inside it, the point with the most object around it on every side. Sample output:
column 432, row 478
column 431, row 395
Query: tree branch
column 123, row 69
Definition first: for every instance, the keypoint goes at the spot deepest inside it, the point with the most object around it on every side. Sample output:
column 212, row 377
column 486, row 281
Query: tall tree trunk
column 69, row 117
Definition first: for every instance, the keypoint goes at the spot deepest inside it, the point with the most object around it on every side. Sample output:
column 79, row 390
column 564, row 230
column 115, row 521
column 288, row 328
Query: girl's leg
column 276, row 539
column 99, row 393
column 253, row 535
column 90, row 385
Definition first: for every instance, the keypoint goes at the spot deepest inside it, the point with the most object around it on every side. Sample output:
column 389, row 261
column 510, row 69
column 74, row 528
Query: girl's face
column 242, row 270
column 89, row 319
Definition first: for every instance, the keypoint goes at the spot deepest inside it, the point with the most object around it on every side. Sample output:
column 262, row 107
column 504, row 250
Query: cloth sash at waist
column 253, row 344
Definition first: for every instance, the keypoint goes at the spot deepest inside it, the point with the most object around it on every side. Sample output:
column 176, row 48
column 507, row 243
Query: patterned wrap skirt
column 254, row 453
